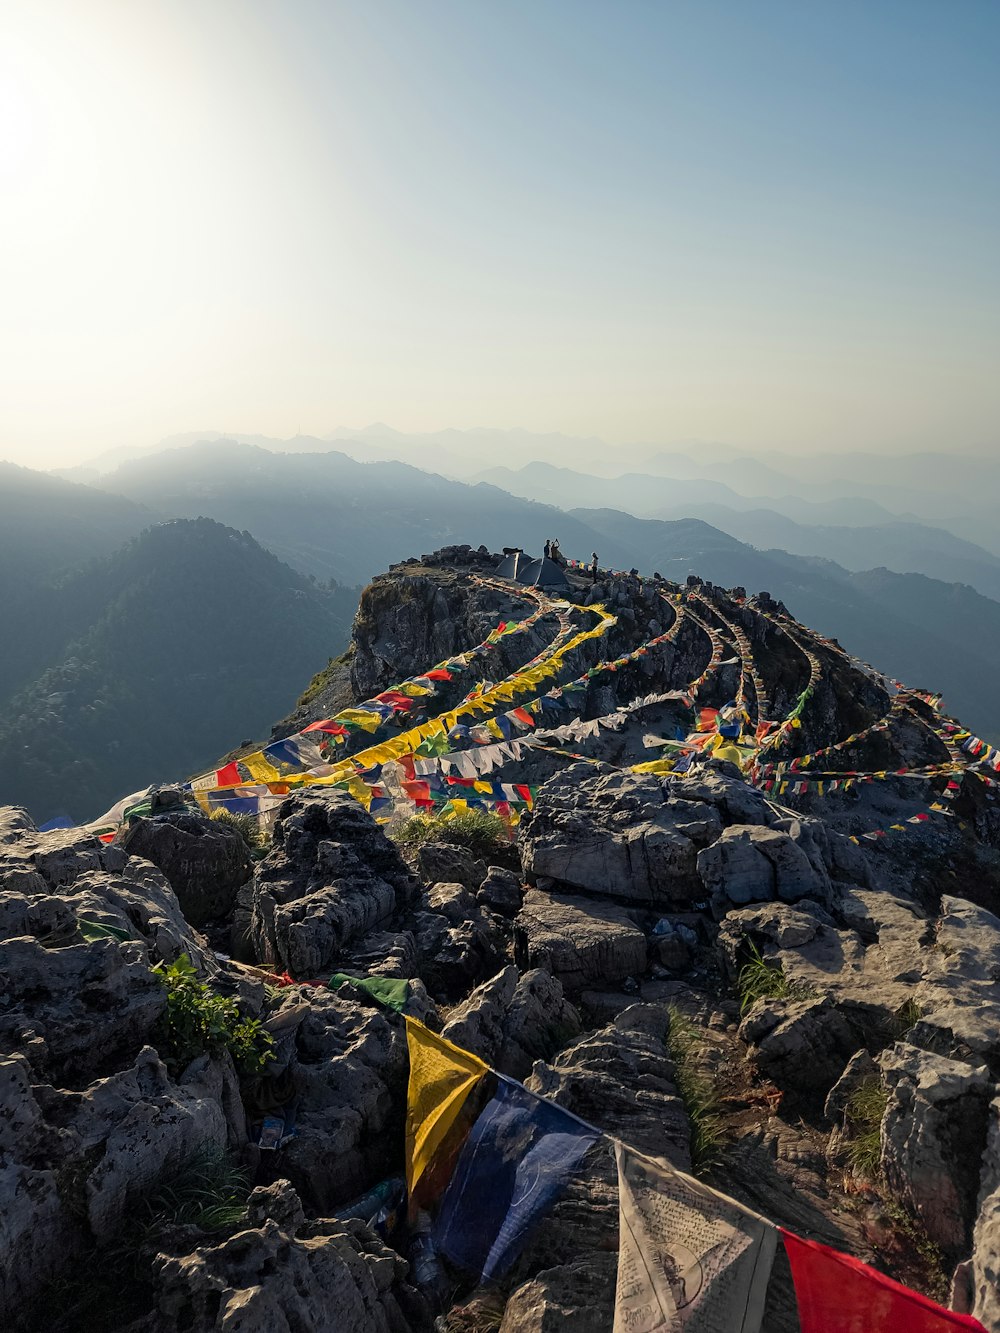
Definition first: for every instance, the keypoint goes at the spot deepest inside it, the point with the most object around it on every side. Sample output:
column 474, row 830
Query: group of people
column 552, row 552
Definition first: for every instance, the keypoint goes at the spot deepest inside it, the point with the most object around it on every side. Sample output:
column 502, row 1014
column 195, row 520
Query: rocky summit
column 661, row 854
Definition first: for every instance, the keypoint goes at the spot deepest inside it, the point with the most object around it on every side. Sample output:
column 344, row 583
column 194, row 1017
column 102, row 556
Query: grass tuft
column 247, row 826
column 761, row 980
column 697, row 1091
column 864, row 1111
column 480, row 832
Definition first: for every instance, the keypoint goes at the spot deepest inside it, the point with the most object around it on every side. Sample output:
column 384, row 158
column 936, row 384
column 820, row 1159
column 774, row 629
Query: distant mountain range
column 151, row 662
column 148, row 664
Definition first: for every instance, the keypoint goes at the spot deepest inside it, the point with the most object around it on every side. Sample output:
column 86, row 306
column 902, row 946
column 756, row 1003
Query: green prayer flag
column 393, row 992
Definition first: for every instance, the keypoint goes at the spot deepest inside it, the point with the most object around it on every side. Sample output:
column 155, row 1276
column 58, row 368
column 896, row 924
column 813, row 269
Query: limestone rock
column 614, row 835
column 73, row 1162
column 347, row 1072
column 933, row 1136
column 501, row 891
column 511, row 1021
column 578, row 1296
column 958, row 998
column 620, row 1079
column 984, row 1268
column 205, row 861
column 457, row 941
column 331, row 877
column 582, row 943
column 445, row 862
column 801, row 1044
column 77, row 1009
column 331, row 1277
column 749, row 863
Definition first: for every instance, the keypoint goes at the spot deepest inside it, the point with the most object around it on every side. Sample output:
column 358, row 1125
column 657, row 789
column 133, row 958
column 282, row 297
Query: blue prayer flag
column 513, row 1168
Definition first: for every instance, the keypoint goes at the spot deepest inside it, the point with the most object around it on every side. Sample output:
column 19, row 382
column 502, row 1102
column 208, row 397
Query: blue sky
column 768, row 223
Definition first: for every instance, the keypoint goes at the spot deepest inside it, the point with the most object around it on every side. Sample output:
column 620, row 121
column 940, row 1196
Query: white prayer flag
column 689, row 1259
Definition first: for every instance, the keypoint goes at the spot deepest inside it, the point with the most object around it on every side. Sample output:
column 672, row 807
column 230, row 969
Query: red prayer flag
column 838, row 1294
column 439, row 673
column 334, row 728
column 228, row 776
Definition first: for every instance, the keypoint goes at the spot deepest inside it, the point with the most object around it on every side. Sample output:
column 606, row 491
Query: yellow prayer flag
column 441, row 1078
column 360, row 717
column 259, row 768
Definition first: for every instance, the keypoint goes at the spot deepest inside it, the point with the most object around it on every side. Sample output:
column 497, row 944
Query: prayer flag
column 441, row 1078
column 838, row 1294
column 514, row 1166
column 689, row 1260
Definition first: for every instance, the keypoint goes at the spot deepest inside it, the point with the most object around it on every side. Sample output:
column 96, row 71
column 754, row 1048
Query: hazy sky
column 766, row 223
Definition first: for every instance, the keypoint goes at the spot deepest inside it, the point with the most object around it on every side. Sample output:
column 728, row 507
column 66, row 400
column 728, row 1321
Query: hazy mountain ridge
column 188, row 638
column 333, row 516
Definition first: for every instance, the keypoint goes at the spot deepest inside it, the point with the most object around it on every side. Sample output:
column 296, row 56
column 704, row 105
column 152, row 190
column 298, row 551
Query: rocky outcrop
column 620, row 1079
column 343, row 1068
column 458, row 942
column 582, row 943
column 331, row 877
column 513, row 1020
column 800, row 1044
column 284, row 1274
column 749, row 863
column 933, row 1134
column 75, row 1162
column 979, row 1280
column 204, row 861
column 613, row 835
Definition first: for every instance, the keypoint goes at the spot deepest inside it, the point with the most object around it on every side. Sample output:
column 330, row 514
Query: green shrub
column 697, row 1091
column 198, row 1020
column 479, row 831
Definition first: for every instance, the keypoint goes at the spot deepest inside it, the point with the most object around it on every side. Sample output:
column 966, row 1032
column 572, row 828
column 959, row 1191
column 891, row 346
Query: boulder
column 933, row 1135
column 800, row 1044
column 501, row 892
column 205, row 861
column 749, row 863
column 613, row 834
column 76, row 1010
column 578, row 1296
column 447, row 862
column 511, row 1021
column 457, row 941
column 957, row 997
column 50, row 882
column 286, row 1276
column 73, row 1163
column 331, row 877
column 983, row 1270
column 582, row 943
column 620, row 1079
column 344, row 1068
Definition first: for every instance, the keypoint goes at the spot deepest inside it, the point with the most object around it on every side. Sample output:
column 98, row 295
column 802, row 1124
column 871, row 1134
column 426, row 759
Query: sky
column 770, row 224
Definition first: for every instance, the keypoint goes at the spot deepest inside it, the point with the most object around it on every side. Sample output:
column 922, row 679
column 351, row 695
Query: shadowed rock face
column 205, row 863
column 331, row 878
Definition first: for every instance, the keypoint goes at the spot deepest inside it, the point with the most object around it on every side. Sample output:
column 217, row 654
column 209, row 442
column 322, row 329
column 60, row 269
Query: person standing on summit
column 593, row 566
column 548, row 548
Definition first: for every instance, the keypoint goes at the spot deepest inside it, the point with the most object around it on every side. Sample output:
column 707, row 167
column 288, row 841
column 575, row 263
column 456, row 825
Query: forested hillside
column 155, row 661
